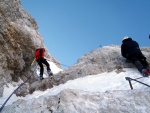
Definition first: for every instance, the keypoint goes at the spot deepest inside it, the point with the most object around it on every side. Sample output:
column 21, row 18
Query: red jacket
column 39, row 53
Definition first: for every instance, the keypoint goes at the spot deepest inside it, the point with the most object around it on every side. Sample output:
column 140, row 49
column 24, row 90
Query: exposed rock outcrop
column 104, row 59
column 19, row 38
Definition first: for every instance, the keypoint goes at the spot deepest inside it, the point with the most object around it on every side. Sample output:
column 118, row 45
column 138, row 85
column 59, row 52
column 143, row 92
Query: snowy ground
column 93, row 83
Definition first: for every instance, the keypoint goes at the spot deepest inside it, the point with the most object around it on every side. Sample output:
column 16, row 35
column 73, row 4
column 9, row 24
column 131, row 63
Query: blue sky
column 71, row 28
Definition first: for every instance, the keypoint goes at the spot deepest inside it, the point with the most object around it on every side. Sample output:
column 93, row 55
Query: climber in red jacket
column 39, row 55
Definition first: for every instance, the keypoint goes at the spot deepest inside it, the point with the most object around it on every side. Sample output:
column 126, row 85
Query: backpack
column 39, row 53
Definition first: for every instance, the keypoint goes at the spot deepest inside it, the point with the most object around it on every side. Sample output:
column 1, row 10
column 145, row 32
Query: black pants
column 42, row 61
column 139, row 60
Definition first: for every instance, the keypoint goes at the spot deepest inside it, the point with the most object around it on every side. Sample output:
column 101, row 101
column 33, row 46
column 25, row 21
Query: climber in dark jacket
column 131, row 51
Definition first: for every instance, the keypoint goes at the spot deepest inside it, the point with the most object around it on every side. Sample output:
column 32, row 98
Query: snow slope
column 105, row 82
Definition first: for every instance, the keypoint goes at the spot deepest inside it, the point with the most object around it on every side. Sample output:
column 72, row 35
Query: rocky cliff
column 19, row 38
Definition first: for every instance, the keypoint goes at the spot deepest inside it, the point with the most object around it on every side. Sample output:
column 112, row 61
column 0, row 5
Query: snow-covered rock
column 74, row 101
column 102, row 93
column 104, row 59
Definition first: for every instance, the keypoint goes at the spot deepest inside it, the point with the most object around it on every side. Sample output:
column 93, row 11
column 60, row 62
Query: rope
column 13, row 93
column 139, row 78
column 17, row 88
column 58, row 63
column 33, row 62
column 64, row 65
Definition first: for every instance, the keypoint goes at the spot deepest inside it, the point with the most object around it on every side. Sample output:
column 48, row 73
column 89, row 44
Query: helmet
column 126, row 37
